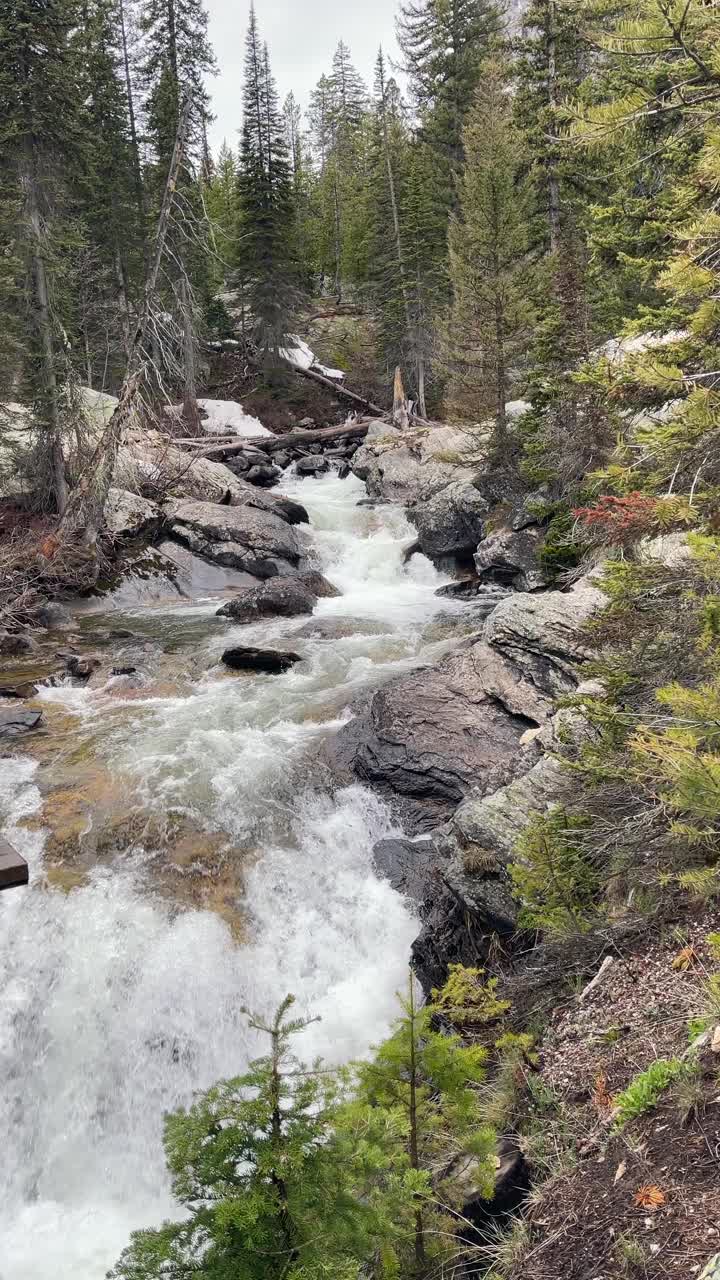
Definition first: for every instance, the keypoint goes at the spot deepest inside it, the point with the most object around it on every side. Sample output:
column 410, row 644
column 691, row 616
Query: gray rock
column 311, row 466
column 318, row 584
column 407, row 864
column 544, row 634
column 52, row 614
column 290, row 510
column 284, row 597
column 127, row 515
column 511, row 557
column 259, row 542
column 451, row 521
column 340, row 628
column 433, row 734
column 15, row 721
column 15, row 642
column 272, row 661
column 263, row 474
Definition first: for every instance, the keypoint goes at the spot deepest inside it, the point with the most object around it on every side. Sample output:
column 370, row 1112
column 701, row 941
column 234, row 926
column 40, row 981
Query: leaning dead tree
column 86, row 506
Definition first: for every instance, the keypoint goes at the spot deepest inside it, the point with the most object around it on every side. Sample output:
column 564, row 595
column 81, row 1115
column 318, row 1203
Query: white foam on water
column 116, row 1007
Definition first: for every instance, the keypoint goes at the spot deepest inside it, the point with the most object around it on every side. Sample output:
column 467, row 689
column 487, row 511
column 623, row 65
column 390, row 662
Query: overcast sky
column 301, row 35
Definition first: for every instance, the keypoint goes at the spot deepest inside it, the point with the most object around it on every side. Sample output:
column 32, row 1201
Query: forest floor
column 643, row 1201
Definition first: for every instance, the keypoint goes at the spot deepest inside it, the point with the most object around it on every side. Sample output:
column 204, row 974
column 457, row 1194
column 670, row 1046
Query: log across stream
column 119, row 998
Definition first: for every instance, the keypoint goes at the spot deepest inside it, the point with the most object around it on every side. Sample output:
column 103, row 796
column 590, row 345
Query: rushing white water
column 115, row 1006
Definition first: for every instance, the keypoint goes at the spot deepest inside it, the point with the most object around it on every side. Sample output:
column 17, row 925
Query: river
column 117, row 1003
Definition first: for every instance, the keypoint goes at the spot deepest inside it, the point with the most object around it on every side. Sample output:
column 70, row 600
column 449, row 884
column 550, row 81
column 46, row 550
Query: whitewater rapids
column 115, row 1005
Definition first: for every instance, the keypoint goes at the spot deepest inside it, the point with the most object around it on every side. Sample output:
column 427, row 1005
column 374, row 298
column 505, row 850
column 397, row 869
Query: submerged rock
column 335, row 628
column 259, row 542
column 273, row 661
column 285, row 597
column 15, row 721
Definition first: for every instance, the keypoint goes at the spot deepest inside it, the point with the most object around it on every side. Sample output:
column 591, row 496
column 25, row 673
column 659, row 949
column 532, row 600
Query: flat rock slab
column 273, row 661
column 13, row 867
column 244, row 537
column 278, row 597
column 15, row 721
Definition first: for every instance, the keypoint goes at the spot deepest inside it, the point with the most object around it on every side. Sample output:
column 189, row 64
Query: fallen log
column 339, row 390
column 272, row 444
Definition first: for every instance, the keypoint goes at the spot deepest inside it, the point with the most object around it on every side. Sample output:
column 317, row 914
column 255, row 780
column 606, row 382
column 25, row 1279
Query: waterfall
column 118, row 1005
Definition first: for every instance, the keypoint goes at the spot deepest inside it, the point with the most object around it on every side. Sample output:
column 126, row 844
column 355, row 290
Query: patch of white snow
column 228, row 417
column 303, row 358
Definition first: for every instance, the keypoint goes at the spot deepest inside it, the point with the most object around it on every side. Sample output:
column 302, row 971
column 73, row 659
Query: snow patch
column 303, row 358
column 227, row 417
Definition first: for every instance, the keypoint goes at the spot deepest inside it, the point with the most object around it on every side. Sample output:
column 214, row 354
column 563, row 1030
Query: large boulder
column 545, row 635
column 473, row 900
column 406, row 864
column 284, row 597
column 433, row 734
column 246, row 537
column 411, row 466
column 127, row 515
column 450, row 522
column 510, row 556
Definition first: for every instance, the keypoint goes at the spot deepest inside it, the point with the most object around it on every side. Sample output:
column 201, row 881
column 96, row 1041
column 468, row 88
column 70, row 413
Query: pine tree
column 112, row 274
column 177, row 55
column 271, row 1193
column 266, row 205
column 40, row 156
column 425, row 1082
column 443, row 43
column 491, row 316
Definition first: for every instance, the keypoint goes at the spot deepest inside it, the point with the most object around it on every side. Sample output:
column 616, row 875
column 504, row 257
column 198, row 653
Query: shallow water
column 118, row 1001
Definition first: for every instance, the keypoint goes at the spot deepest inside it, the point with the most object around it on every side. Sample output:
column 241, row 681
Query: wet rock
column 284, row 597
column 435, row 733
column 15, row 721
column 52, row 615
column 511, row 557
column 263, row 474
column 319, row 584
column 16, row 642
column 256, row 541
column 127, row 515
column 282, row 460
column 452, row 934
column 81, row 668
column 273, row 661
column 340, row 628
column 26, row 689
column 343, row 469
column 451, row 521
column 123, row 671
column 407, row 864
column 472, row 589
column 290, row 510
column 311, row 466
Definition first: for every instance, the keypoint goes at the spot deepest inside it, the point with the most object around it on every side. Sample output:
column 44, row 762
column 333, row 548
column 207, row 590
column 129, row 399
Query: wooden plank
column 13, row 867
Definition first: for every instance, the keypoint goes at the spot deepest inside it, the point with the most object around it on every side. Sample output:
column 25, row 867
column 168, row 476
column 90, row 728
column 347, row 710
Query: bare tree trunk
column 500, row 375
column 553, row 184
column 400, row 415
column 88, row 501
column 137, row 170
column 43, row 325
column 422, row 407
column 191, row 417
column 336, row 204
column 124, row 300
